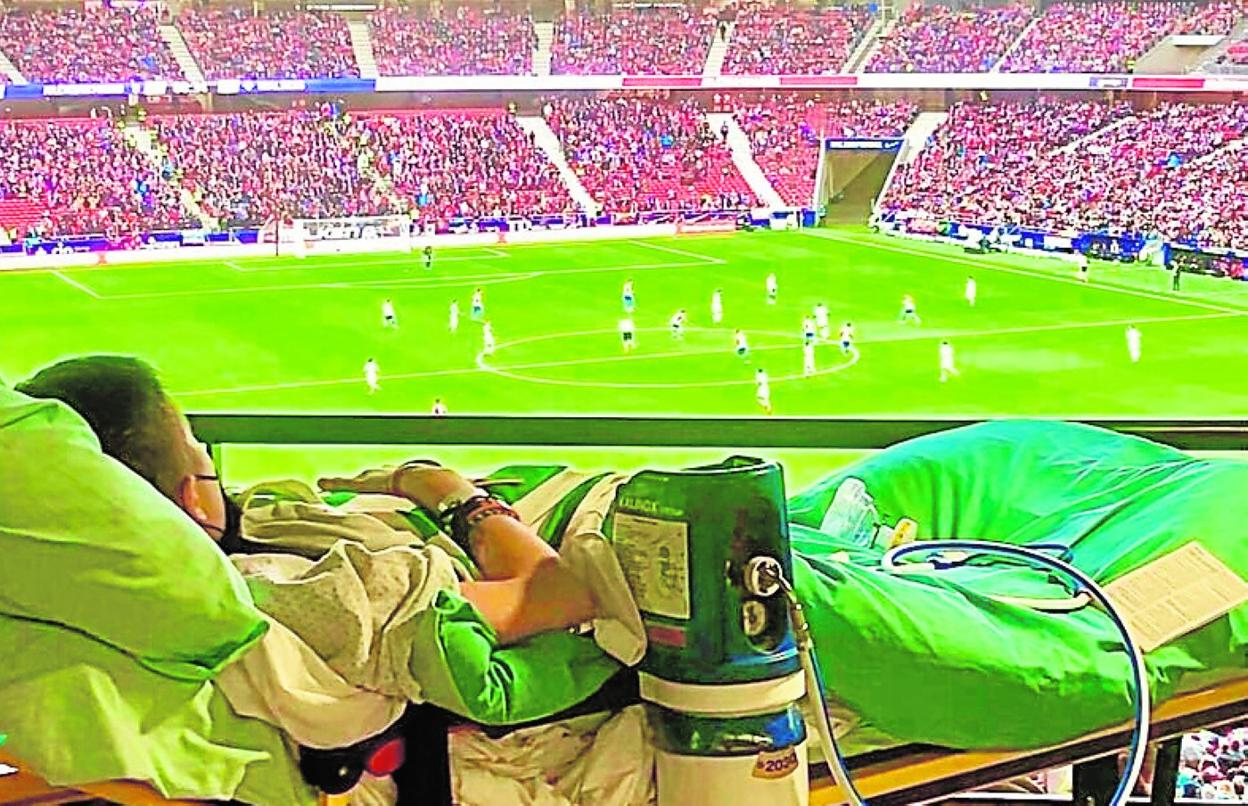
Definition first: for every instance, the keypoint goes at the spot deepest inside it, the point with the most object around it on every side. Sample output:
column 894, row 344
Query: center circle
column 522, row 371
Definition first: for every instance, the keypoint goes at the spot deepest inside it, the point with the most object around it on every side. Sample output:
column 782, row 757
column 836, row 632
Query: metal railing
column 216, row 429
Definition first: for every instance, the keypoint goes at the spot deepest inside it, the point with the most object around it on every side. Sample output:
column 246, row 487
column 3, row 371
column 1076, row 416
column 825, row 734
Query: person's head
column 138, row 425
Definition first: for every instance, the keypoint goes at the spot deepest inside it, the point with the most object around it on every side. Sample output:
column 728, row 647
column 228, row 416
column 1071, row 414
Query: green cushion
column 88, row 545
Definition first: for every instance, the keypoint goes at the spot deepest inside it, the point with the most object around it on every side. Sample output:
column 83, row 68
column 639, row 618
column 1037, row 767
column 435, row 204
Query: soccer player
column 762, row 389
column 773, row 288
column 1176, row 278
column 947, row 366
column 478, row 305
column 371, row 373
column 908, row 311
column 808, row 359
column 454, row 317
column 388, row 318
column 627, row 297
column 428, row 252
column 487, row 339
column 743, row 345
column 1133, row 343
column 1081, row 260
column 808, row 330
column 628, row 334
column 847, row 340
column 821, row 321
column 972, row 290
column 439, row 408
column 717, row 307
column 677, row 323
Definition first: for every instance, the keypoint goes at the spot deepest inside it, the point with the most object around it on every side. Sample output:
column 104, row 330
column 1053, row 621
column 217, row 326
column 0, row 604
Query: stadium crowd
column 769, row 40
column 1213, row 765
column 1166, row 170
column 942, row 39
column 465, row 41
column 784, row 132
column 245, row 169
column 50, row 45
column 89, row 179
column 1108, row 36
column 464, row 163
column 638, row 154
column 234, row 43
column 668, row 40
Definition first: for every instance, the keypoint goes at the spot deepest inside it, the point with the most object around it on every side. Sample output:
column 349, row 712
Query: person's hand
column 424, row 483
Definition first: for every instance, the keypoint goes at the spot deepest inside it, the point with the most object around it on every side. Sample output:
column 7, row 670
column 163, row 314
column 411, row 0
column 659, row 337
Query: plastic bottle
column 852, row 514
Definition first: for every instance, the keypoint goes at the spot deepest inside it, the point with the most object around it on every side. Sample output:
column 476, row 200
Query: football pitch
column 284, row 334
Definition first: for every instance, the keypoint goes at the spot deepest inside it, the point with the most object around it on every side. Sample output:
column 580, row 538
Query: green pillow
column 88, row 545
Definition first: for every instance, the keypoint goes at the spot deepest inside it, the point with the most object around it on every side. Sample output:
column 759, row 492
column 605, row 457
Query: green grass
column 272, row 334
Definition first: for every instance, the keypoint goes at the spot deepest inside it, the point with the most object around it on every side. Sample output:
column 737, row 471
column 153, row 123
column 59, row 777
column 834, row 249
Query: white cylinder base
column 774, row 778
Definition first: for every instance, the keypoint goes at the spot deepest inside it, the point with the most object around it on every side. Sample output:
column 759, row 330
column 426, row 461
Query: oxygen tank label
column 772, row 764
column 655, row 557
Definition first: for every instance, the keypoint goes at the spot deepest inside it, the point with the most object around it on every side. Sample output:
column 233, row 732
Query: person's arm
column 526, row 589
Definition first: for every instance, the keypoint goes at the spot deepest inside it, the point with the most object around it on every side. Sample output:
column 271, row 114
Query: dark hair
column 122, row 400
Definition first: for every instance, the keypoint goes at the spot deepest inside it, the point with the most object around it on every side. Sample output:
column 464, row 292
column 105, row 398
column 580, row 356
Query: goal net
column 332, row 236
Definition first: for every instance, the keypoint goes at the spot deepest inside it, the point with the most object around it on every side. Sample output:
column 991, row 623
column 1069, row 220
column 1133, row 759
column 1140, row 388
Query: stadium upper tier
column 661, row 39
column 771, row 40
column 50, row 45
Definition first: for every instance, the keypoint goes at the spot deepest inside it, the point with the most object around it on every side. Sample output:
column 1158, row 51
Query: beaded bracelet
column 472, row 512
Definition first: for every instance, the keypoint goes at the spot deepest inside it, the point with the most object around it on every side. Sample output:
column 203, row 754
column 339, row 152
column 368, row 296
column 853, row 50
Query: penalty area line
column 77, row 285
column 674, row 251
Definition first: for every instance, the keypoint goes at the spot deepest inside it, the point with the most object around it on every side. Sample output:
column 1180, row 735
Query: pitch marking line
column 681, row 252
column 423, row 281
column 1016, row 270
column 412, row 261
column 932, row 334
column 77, row 285
column 229, row 264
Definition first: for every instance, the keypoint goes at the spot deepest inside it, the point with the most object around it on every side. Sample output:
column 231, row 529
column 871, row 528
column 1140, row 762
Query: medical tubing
column 1142, row 701
column 814, row 691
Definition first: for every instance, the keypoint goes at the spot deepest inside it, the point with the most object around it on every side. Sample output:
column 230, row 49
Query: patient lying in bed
column 1009, row 676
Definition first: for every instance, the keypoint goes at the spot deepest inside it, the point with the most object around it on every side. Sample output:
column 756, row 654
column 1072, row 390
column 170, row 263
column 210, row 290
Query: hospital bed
column 907, row 774
column 896, row 775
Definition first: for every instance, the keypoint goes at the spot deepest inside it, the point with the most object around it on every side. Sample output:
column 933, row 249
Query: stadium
column 971, row 271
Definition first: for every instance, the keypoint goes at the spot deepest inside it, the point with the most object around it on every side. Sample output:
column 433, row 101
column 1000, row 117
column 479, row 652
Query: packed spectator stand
column 661, row 39
column 1213, row 765
column 462, row 163
column 84, row 178
column 637, row 154
column 769, row 40
column 245, row 169
column 66, row 45
column 785, row 130
column 1108, row 36
column 235, row 43
column 1071, row 167
column 462, row 42
column 942, row 39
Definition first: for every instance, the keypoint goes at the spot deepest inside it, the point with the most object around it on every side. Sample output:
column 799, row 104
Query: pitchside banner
column 864, row 144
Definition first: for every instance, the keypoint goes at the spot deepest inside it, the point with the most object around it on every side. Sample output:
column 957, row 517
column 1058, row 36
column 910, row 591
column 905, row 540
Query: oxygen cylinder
column 721, row 677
